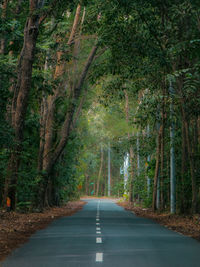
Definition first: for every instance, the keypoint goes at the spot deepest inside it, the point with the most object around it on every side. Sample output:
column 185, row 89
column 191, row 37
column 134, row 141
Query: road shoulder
column 188, row 225
column 16, row 228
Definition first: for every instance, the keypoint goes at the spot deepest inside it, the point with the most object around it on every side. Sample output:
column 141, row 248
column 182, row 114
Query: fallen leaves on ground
column 188, row 225
column 16, row 228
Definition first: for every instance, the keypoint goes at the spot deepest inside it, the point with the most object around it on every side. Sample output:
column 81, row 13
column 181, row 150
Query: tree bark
column 21, row 93
column 183, row 168
column 86, row 184
column 66, row 129
column 51, row 156
column 189, row 149
column 47, row 131
column 162, row 148
column 156, row 169
column 100, row 171
column 131, row 176
column 3, row 16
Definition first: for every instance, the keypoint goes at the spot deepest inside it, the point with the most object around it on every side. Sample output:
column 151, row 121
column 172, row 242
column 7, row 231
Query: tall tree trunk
column 86, row 184
column 198, row 128
column 156, row 175
column 162, row 152
column 189, row 149
column 47, row 131
column 51, row 156
column 43, row 120
column 3, row 17
column 20, row 99
column 13, row 78
column 183, row 169
column 131, row 175
column 100, row 171
column 192, row 167
column 66, row 129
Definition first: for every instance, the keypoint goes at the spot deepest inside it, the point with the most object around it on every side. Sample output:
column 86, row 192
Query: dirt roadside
column 16, row 228
column 188, row 225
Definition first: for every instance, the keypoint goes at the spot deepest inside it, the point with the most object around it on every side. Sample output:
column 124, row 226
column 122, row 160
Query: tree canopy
column 82, row 78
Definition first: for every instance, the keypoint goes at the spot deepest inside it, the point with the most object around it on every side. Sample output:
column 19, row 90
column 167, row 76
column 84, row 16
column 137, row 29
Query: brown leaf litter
column 16, row 228
column 188, row 225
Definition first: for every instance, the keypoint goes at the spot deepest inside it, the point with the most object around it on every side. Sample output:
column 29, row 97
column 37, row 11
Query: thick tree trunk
column 47, row 131
column 189, row 149
column 192, row 169
column 50, row 157
column 20, row 99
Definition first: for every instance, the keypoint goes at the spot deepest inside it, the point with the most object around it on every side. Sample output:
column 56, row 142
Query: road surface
column 105, row 235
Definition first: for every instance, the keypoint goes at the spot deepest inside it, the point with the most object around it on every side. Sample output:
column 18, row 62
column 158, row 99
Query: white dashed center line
column 99, row 257
column 98, row 240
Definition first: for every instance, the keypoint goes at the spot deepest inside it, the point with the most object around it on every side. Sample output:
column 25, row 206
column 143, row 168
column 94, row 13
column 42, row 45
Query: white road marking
column 98, row 204
column 97, row 223
column 99, row 257
column 98, row 232
column 98, row 240
column 97, row 219
column 98, row 228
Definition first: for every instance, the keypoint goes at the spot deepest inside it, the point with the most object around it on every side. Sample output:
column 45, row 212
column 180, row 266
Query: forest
column 100, row 98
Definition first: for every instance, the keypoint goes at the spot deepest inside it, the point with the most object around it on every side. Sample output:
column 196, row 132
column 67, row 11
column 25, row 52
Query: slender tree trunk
column 183, row 168
column 49, row 132
column 131, row 175
column 12, row 79
column 100, row 171
column 162, row 152
column 198, row 129
column 3, row 17
column 86, row 184
column 156, row 169
column 66, row 129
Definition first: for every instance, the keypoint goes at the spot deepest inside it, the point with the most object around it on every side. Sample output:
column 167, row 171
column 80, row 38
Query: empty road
column 104, row 234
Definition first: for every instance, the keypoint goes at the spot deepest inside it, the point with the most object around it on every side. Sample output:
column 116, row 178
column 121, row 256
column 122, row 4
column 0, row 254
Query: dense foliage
column 80, row 77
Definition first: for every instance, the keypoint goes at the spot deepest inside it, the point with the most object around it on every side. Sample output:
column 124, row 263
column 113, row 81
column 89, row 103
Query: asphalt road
column 104, row 234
